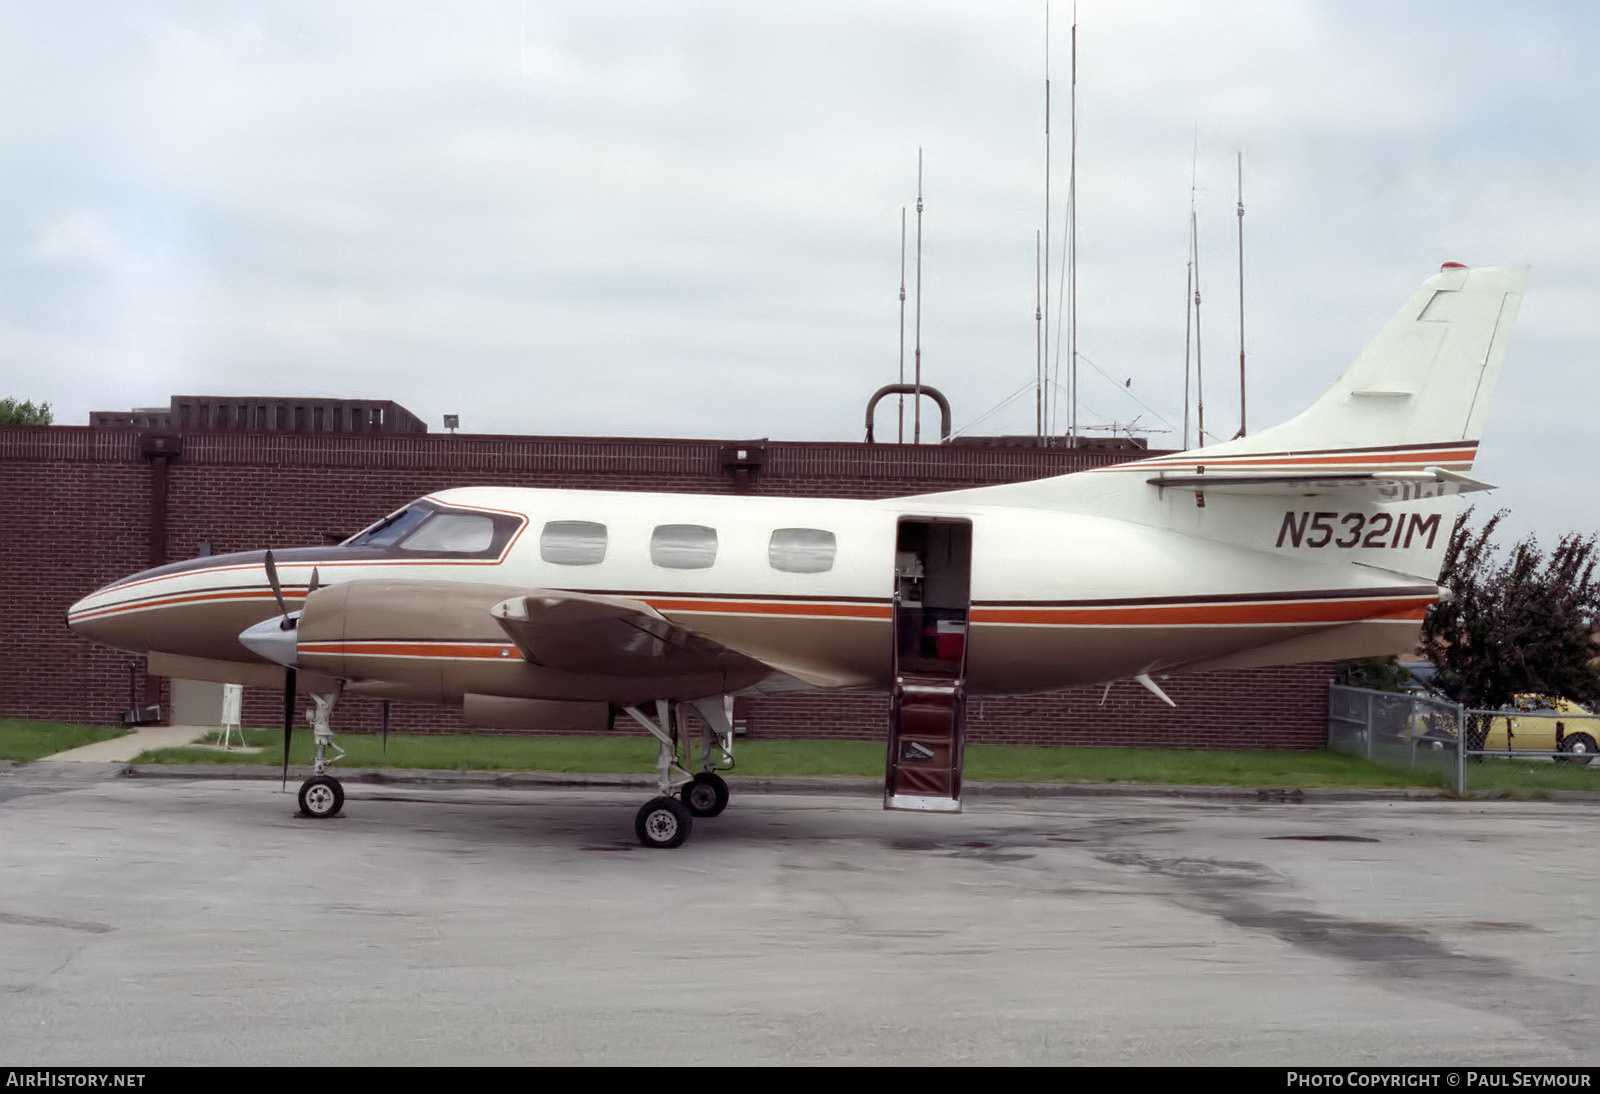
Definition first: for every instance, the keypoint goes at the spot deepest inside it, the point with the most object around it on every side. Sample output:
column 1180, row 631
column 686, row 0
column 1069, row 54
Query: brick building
column 240, row 413
column 84, row 506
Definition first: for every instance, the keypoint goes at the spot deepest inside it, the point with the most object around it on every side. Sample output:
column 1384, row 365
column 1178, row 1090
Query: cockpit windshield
column 430, row 531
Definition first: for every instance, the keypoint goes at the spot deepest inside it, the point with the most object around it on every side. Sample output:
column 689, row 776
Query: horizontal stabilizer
column 1377, row 487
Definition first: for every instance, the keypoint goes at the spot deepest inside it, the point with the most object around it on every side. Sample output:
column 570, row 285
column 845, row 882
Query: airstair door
column 927, row 710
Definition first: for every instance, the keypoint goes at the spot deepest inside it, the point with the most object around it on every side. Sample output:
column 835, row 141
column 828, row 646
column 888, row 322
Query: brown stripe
column 1342, row 611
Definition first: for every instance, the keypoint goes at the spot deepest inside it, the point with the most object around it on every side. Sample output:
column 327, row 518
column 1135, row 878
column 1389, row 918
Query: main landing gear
column 667, row 820
column 322, row 795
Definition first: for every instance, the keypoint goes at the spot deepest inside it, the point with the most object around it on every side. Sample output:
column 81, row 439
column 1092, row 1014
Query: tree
column 1520, row 624
column 17, row 412
column 1374, row 674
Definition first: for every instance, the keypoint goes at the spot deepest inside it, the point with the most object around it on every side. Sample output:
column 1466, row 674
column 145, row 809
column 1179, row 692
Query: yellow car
column 1533, row 724
column 1536, row 723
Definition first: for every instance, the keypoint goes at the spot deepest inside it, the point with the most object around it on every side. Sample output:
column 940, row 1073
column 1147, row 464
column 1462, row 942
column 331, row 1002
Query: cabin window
column 683, row 546
column 801, row 550
column 573, row 542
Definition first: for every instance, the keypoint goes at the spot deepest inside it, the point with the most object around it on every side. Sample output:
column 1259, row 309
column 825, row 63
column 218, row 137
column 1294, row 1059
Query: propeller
column 287, row 622
column 280, row 646
column 386, row 731
column 288, row 719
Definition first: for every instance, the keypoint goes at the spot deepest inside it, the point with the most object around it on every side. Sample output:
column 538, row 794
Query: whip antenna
column 1241, row 294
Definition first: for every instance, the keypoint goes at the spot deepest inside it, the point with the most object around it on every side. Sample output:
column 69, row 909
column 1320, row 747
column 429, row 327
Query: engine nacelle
column 404, row 639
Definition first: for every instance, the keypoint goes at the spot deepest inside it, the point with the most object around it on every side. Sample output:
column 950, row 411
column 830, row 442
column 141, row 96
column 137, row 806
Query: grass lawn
column 1528, row 778
column 22, row 740
column 994, row 763
column 635, row 754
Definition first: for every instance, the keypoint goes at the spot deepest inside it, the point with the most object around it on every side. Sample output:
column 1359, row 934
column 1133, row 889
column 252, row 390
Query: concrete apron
column 122, row 749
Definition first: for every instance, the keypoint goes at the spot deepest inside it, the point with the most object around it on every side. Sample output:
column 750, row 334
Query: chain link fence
column 1397, row 729
column 1410, row 731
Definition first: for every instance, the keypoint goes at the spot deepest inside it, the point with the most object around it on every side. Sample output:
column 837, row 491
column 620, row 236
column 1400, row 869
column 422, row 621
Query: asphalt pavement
column 198, row 920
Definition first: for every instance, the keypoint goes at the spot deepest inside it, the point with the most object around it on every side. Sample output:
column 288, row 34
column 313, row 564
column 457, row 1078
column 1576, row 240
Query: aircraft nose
column 92, row 618
column 274, row 639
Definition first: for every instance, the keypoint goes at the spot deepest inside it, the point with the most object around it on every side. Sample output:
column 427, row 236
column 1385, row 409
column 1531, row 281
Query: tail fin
column 1420, row 389
column 1394, row 433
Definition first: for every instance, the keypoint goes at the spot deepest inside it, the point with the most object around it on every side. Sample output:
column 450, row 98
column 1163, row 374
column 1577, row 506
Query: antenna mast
column 916, row 431
column 1188, row 332
column 1188, row 291
column 1241, row 294
column 1038, row 344
column 1044, row 382
column 1072, row 242
column 901, row 396
column 1199, row 365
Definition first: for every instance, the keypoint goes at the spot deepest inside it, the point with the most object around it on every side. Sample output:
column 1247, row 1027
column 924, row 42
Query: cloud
column 685, row 219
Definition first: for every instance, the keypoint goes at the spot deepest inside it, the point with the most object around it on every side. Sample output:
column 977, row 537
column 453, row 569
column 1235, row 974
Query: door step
column 926, row 738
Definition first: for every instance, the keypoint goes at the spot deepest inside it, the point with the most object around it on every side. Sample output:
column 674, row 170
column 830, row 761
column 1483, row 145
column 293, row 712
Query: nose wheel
column 321, row 796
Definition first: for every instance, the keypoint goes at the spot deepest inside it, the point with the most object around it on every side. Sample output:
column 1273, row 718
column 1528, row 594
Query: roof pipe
column 912, row 389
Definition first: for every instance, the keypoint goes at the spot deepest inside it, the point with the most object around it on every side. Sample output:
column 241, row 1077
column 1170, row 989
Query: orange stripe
column 1341, row 611
column 336, row 562
column 453, row 651
column 768, row 607
column 190, row 598
column 1224, row 614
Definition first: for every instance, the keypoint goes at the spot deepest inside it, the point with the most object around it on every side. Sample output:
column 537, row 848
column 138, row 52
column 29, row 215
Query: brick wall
column 76, row 508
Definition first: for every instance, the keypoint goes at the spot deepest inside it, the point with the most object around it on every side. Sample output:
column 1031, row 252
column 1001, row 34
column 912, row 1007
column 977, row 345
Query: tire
column 707, row 796
column 1577, row 748
column 321, row 797
column 662, row 822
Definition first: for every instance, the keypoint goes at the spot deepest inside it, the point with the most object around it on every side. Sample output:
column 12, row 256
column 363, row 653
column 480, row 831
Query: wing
column 604, row 635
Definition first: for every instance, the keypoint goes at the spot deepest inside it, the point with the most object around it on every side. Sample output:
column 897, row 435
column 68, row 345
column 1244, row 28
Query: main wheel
column 321, row 796
column 707, row 795
column 1577, row 748
column 662, row 822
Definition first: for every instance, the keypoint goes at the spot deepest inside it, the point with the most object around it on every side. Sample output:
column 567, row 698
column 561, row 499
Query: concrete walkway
column 122, row 749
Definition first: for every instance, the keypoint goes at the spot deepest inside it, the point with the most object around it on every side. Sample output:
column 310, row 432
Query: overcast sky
column 683, row 219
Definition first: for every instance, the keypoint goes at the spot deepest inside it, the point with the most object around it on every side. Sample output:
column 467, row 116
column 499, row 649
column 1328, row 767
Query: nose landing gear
column 322, row 795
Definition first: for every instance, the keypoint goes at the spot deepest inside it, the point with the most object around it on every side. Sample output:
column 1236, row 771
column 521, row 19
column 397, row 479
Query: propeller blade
column 316, row 581
column 277, row 589
column 288, row 720
column 386, row 731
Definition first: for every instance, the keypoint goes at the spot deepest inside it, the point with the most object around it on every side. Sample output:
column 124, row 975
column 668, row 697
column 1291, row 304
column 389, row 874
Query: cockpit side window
column 430, row 531
column 453, row 533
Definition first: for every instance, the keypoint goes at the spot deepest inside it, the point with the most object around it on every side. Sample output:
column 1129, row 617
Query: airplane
column 1318, row 539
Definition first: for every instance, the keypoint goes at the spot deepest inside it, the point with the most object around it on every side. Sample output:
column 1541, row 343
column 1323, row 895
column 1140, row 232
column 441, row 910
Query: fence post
column 1461, row 751
column 1369, row 727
